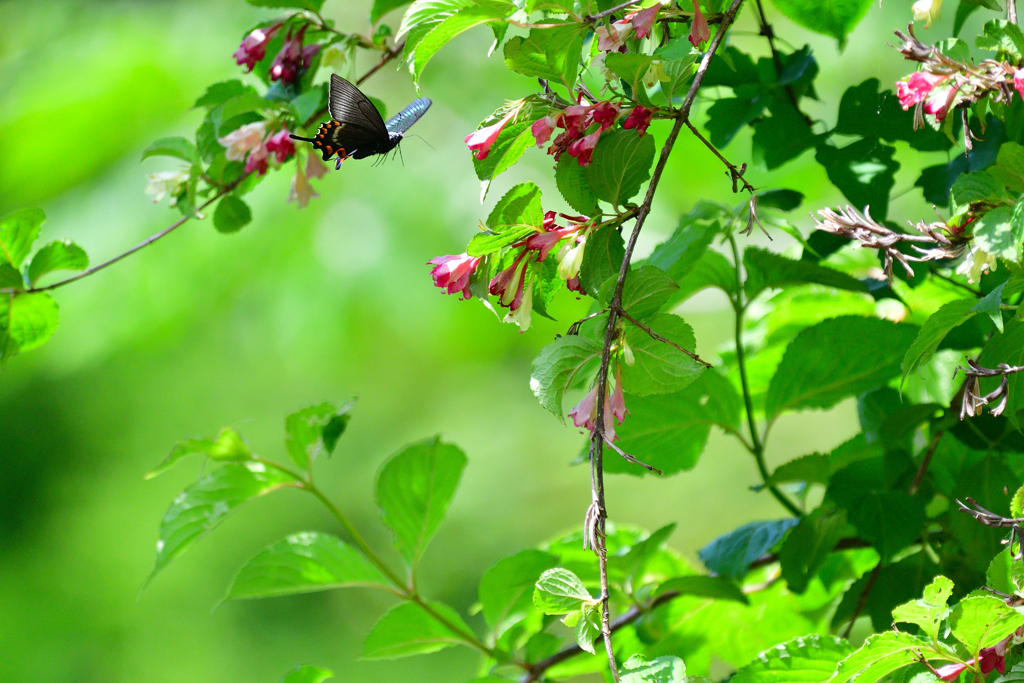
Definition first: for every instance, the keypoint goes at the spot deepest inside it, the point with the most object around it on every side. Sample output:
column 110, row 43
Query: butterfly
column 357, row 129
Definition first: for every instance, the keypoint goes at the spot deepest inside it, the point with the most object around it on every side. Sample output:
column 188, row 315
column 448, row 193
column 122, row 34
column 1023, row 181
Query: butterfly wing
column 403, row 120
column 350, row 106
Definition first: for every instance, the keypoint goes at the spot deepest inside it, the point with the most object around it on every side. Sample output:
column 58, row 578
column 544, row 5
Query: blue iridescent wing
column 403, row 120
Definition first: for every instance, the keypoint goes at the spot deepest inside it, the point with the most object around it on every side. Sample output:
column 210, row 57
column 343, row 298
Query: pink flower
column 604, row 114
column 583, row 149
column 618, row 399
column 254, row 46
column 950, row 672
column 454, row 272
column 301, row 191
column 293, row 58
column 613, row 38
column 990, row 658
column 542, row 129
column 243, row 140
column 573, row 285
column 257, row 161
column 644, row 19
column 1018, row 81
column 916, row 88
column 480, row 141
column 585, row 412
column 699, row 30
column 639, row 118
column 281, row 146
column 508, row 285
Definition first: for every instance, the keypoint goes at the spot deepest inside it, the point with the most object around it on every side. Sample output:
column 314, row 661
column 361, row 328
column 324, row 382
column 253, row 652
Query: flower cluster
column 989, row 659
column 251, row 143
column 613, row 38
column 577, row 120
column 290, row 62
column 454, row 272
column 585, row 412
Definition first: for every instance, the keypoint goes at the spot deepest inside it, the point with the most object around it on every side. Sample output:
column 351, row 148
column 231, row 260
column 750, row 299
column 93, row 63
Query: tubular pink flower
column 612, row 39
column 990, row 658
column 604, row 114
column 585, row 412
column 508, row 284
column 644, row 19
column 699, row 30
column 301, row 191
column 280, row 145
column 573, row 118
column 583, row 149
column 292, row 58
column 480, row 141
column 243, row 140
column 454, row 272
column 950, row 672
column 916, row 88
column 639, row 118
column 314, row 167
column 257, row 161
column 254, row 46
column 542, row 129
column 1018, row 81
column 618, row 399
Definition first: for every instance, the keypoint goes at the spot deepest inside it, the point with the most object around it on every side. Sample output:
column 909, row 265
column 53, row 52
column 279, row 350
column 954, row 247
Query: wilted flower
column 254, row 46
column 700, row 32
column 480, row 141
column 281, row 146
column 301, row 191
column 573, row 285
column 977, row 263
column 314, row 167
column 973, row 400
column 293, row 58
column 927, row 10
column 454, row 272
column 241, row 141
column 542, row 129
column 167, row 183
column 639, row 118
column 916, row 88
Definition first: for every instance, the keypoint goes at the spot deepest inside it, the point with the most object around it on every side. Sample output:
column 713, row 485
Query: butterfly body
column 357, row 129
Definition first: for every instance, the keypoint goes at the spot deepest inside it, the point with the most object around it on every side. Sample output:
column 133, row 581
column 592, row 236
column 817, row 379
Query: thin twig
column 630, row 458
column 1011, row 11
column 769, row 33
column 961, row 285
column 601, row 15
column 654, row 335
column 919, row 477
column 735, row 172
column 863, row 600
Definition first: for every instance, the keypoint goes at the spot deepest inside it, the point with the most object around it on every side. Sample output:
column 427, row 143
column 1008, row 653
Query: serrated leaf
column 313, row 432
column 228, row 446
column 659, row 670
column 813, row 469
column 731, row 554
column 715, row 587
column 231, row 214
column 414, row 489
column 621, row 165
column 982, row 621
column 551, row 53
column 18, row 230
column 518, row 207
column 809, row 544
column 303, row 563
column 991, row 305
column 835, row 18
column 880, row 655
column 767, row 269
column 864, row 171
column 31, row 319
column 646, row 290
column 602, row 259
column 62, row 255
column 999, row 35
column 307, row 673
column 559, row 591
column 205, row 504
column 659, row 367
column 177, row 147
column 572, row 183
column 928, row 611
column 407, row 629
column 506, row 589
column 687, row 245
column 977, row 187
column 809, row 375
column 809, row 659
column 10, row 278
column 934, row 330
column 556, row 367
column 631, row 69
column 442, row 33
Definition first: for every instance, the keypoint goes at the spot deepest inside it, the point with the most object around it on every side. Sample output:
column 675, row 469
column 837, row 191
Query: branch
column 601, row 15
column 658, row 337
column 863, row 599
column 735, row 172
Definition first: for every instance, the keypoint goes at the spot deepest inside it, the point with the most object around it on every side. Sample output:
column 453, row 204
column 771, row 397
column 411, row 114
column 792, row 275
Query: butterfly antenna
column 424, row 141
column 296, row 137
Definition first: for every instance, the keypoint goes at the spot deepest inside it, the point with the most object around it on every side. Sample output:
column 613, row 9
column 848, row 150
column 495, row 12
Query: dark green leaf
column 812, row 469
column 303, row 563
column 571, row 179
column 407, row 629
column 716, row 587
column 810, row 375
column 228, row 446
column 231, row 214
column 728, row 116
column 934, row 330
column 866, row 112
column 219, row 93
column 978, row 187
column 307, row 673
column 313, row 432
column 835, row 18
column 520, row 206
column 781, row 137
column 63, row 255
column 767, row 269
column 730, row 555
column 864, row 171
column 414, row 489
column 602, row 259
column 31, row 319
column 809, row 659
column 18, row 230
column 205, row 504
column 685, row 247
column 559, row 591
column 506, row 589
column 659, row 367
column 556, row 367
column 783, row 200
column 991, row 305
column 10, row 278
column 982, row 621
column 309, row 103
column 173, row 147
column 809, row 545
column 621, row 165
column 646, row 290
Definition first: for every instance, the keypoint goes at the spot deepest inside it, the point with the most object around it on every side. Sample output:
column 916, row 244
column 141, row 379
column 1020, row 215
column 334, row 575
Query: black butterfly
column 358, row 131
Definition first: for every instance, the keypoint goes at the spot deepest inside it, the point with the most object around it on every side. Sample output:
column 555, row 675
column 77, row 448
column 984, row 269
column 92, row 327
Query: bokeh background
column 204, row 330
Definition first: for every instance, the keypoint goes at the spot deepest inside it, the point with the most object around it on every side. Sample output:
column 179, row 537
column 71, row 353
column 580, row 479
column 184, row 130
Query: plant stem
column 757, row 445
column 863, row 601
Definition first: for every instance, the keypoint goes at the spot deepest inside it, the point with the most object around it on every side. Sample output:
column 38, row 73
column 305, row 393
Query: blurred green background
column 205, row 330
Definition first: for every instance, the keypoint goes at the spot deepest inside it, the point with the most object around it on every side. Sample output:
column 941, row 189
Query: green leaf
column 668, row 431
column 571, row 179
column 18, row 230
column 587, row 629
column 382, row 7
column 602, row 259
column 810, row 375
column 809, row 544
column 231, row 214
column 10, row 278
column 999, row 35
column 982, row 621
column 307, row 673
column 994, row 233
column 219, row 93
column 809, row 659
column 517, row 214
column 557, row 366
column 205, row 504
column 31, row 319
column 880, row 655
column 864, row 171
column 173, row 147
column 407, row 629
column 414, row 489
column 730, row 555
column 1014, row 675
column 835, row 18
column 977, row 187
column 62, row 255
column 442, row 33
column 309, row 103
column 711, row 270
column 303, row 563
column 687, row 245
column 312, row 5
column 812, row 469
column 313, row 432
column 781, row 137
column 927, row 612
column 228, row 446
column 659, row 670
column 991, row 306
column 934, row 330
column 631, row 69
column 506, row 589
column 646, row 290
column 621, row 165
column 551, row 53
column 659, row 367
column 559, row 591
column 715, row 587
column 767, row 269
